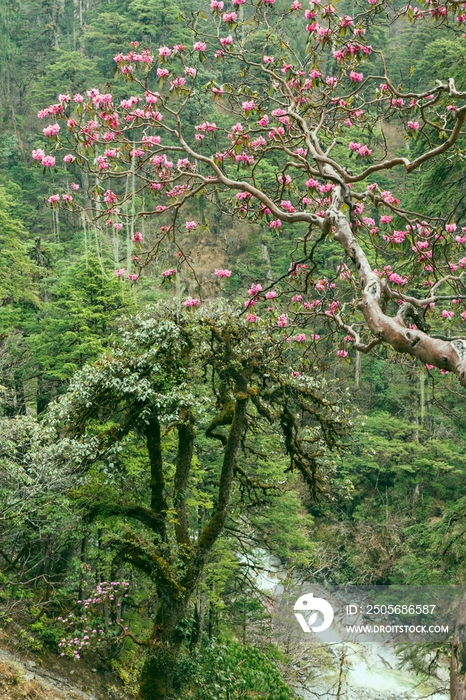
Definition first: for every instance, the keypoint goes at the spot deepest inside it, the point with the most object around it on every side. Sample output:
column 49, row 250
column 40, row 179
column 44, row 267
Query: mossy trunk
column 156, row 682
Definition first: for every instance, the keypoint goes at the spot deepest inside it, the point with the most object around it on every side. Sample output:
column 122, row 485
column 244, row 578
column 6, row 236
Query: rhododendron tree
column 299, row 109
column 210, row 382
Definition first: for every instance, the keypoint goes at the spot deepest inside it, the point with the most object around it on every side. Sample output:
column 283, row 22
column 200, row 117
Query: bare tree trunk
column 458, row 656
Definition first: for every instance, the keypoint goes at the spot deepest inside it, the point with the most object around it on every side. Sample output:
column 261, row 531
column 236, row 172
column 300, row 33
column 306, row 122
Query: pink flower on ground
column 191, row 225
column 191, row 302
column 282, row 321
column 222, row 273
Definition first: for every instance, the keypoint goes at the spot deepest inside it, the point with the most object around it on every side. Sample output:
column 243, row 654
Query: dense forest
column 164, row 445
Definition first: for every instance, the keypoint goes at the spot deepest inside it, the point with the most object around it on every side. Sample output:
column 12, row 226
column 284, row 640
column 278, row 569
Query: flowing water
column 350, row 671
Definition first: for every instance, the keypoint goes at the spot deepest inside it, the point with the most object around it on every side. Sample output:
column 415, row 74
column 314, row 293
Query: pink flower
column 132, row 278
column 67, row 198
column 191, row 225
column 248, row 105
column 48, row 161
column 356, row 77
column 252, row 318
column 448, row 314
column 68, row 158
column 430, row 366
column 314, row 336
column 38, row 154
column 364, row 151
column 342, row 353
column 276, row 223
column 137, row 238
column 300, row 338
column 191, row 302
column 222, row 273
column 255, row 289
column 109, row 197
column 121, row 272
column 268, row 59
column 74, row 186
column 463, row 315
column 413, row 125
column 51, row 130
column 386, row 219
column 53, row 199
column 450, row 228
column 282, row 321
column 164, row 51
column 216, row 5
column 200, row 46
column 271, row 295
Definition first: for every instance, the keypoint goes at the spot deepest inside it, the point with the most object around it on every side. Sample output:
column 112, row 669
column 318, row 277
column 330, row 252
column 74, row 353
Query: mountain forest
column 232, row 339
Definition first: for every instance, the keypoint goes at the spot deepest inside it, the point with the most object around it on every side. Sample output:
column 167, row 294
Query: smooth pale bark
column 447, row 355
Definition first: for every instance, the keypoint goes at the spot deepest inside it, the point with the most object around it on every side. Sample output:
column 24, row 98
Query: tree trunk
column 158, row 672
column 458, row 656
